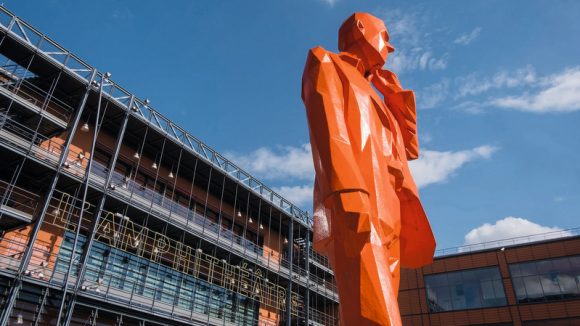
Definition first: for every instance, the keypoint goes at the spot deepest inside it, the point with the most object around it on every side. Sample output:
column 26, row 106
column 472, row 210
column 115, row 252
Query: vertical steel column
column 86, row 180
column 97, row 216
column 291, row 263
column 11, row 298
column 307, row 299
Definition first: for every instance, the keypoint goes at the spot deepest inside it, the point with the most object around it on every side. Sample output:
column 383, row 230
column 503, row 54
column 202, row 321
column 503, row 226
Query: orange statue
column 368, row 218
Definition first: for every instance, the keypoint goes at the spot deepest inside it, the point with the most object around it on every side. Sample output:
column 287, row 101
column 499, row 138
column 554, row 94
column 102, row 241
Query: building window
column 547, row 280
column 468, row 289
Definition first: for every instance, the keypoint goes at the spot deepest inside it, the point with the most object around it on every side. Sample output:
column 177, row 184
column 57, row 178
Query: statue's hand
column 385, row 81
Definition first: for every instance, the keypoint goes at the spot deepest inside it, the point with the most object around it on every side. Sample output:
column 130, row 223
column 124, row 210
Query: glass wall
column 468, row 289
column 122, row 276
column 547, row 280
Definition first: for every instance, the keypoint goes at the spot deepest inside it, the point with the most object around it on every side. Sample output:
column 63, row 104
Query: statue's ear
column 360, row 26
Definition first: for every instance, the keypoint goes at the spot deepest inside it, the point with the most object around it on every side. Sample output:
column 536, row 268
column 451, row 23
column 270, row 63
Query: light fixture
column 81, row 156
column 98, row 290
column 84, row 288
column 19, row 319
column 147, row 101
column 27, row 272
column 199, row 250
column 239, row 214
column 170, row 174
column 285, row 240
column 134, row 108
column 261, row 227
column 85, row 127
column 56, row 212
column 154, row 166
column 107, row 75
column 113, row 187
column 224, row 261
column 41, row 275
column 66, row 165
column 250, row 220
column 136, row 156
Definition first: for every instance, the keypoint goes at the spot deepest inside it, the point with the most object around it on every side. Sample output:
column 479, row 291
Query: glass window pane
column 468, row 289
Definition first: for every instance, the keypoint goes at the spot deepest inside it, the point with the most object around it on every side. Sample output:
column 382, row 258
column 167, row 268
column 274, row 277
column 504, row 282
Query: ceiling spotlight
column 41, row 275
column 250, row 220
column 85, row 127
column 170, row 174
column 285, row 240
column 107, row 75
column 134, row 108
column 154, row 166
column 19, row 319
column 98, row 290
column 113, row 187
column 261, row 227
column 136, row 156
column 66, row 165
column 239, row 214
column 81, row 156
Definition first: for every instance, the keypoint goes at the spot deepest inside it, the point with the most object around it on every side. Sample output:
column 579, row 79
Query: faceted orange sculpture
column 368, row 218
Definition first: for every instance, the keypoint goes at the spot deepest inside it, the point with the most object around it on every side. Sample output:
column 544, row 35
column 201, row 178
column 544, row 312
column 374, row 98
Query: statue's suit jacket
column 361, row 143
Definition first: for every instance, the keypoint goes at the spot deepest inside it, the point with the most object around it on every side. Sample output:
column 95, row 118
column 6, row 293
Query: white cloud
column 475, row 84
column 410, row 34
column 468, row 37
column 512, row 227
column 282, row 163
column 433, row 95
column 299, row 195
column 466, row 88
column 558, row 93
column 330, row 2
column 436, row 167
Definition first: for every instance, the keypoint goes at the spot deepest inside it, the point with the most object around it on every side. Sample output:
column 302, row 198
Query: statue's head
column 365, row 36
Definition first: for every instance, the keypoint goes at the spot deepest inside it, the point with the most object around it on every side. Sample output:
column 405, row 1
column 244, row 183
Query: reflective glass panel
column 547, row 280
column 468, row 289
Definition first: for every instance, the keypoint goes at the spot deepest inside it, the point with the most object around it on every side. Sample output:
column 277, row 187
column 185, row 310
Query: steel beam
column 97, row 215
column 13, row 294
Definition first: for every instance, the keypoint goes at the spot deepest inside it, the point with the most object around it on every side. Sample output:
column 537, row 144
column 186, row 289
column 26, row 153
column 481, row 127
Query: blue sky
column 497, row 85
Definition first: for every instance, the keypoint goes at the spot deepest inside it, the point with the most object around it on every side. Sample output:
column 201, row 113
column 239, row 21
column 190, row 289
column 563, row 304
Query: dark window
column 469, row 289
column 547, row 280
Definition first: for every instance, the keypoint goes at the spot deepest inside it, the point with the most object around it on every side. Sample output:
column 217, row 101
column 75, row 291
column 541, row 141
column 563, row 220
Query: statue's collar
column 353, row 61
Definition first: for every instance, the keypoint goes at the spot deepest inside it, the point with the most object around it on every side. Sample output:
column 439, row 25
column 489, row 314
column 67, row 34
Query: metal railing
column 16, row 198
column 320, row 259
column 51, row 50
column 508, row 242
column 35, row 95
column 119, row 181
column 321, row 318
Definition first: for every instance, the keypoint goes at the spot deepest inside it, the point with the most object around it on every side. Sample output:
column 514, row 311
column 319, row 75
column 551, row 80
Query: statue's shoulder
column 318, row 56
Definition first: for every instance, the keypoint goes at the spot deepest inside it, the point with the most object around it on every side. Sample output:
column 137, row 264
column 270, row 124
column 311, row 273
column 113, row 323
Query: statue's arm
column 401, row 102
column 333, row 145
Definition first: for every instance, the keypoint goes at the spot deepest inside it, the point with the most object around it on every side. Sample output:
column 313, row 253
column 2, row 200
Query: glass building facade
column 547, row 280
column 111, row 214
column 469, row 289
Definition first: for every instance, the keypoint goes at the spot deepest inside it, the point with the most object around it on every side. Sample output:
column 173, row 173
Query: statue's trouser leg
column 366, row 273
